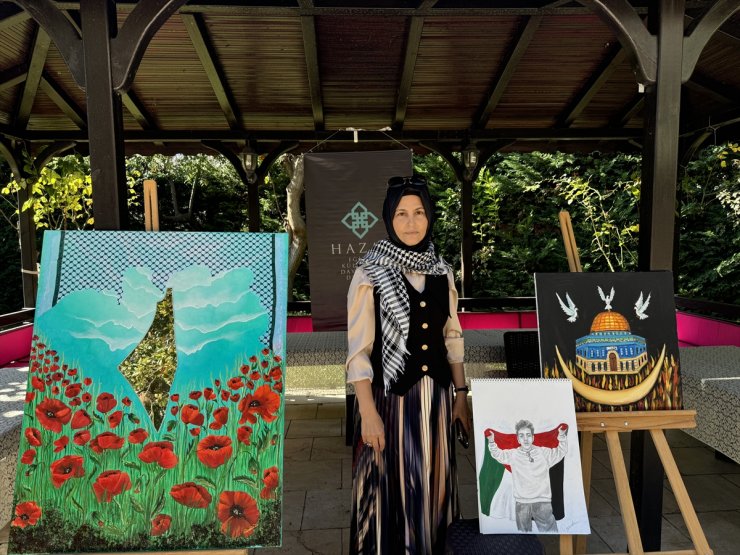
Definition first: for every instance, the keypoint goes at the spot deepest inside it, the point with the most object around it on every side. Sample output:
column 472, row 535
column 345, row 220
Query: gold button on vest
column 424, row 325
column 424, row 347
column 424, row 368
column 422, row 304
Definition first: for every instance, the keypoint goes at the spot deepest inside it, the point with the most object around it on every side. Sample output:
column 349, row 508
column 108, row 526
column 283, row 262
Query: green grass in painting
column 93, row 477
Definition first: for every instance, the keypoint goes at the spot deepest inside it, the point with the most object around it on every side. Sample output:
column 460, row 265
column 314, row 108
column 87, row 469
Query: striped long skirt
column 403, row 501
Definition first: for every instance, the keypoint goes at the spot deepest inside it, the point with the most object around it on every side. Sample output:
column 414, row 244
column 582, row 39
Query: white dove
column 570, row 309
column 607, row 300
column 641, row 307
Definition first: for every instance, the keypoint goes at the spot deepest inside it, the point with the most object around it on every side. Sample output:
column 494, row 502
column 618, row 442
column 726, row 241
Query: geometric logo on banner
column 359, row 220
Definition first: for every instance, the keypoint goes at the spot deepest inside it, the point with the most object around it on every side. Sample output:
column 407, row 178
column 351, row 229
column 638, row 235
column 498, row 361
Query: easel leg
column 587, row 443
column 679, row 491
column 627, row 508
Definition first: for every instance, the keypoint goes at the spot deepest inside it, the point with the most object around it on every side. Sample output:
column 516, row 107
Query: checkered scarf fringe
column 385, row 264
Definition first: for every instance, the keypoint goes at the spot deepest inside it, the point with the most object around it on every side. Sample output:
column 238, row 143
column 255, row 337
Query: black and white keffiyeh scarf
column 385, row 264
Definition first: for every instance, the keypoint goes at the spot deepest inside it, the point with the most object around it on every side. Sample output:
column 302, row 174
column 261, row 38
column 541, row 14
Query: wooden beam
column 13, row 17
column 37, row 59
column 701, row 30
column 583, row 97
column 311, row 52
column 13, row 76
column 628, row 111
column 721, row 91
column 413, row 40
column 65, row 103
column 516, row 52
column 137, row 110
column 196, row 28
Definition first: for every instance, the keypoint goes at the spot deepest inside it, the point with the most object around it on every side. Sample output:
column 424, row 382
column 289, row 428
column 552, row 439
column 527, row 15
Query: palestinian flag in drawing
column 527, row 457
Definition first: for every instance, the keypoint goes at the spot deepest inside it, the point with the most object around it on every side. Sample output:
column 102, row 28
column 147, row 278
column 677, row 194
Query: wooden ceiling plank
column 137, row 110
column 516, row 52
column 720, row 91
column 583, row 97
column 702, row 29
column 13, row 76
column 13, row 19
column 310, row 49
column 65, row 103
column 198, row 33
column 36, row 61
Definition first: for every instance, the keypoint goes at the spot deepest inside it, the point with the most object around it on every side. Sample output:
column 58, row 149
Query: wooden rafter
column 63, row 101
column 628, row 111
column 137, row 110
column 583, row 97
column 720, row 91
column 12, row 17
column 36, row 61
column 413, row 41
column 516, row 52
column 13, row 76
column 310, row 49
column 199, row 37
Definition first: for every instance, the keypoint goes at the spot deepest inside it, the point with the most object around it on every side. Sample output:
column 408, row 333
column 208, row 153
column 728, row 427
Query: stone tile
column 701, row 460
column 308, row 542
column 347, row 474
column 325, row 448
column 734, row 478
column 603, row 457
column 298, row 449
column 608, row 492
column 599, row 506
column 300, row 412
column 721, row 528
column 327, row 509
column 331, row 410
column 293, row 504
column 305, row 475
column 708, row 493
column 679, row 438
column 599, row 470
column 594, row 543
column 315, row 428
column 611, row 532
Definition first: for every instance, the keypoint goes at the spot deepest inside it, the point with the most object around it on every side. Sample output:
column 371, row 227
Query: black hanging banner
column 344, row 199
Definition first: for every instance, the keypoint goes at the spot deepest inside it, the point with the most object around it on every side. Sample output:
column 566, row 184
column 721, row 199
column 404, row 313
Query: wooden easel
column 151, row 206
column 612, row 424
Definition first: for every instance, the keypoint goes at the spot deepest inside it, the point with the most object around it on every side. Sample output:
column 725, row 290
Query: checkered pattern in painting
column 97, row 260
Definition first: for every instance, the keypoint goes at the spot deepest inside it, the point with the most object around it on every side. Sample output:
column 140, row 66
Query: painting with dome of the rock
column 613, row 335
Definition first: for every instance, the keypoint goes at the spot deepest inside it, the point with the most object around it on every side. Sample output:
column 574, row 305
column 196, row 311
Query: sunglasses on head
column 410, row 181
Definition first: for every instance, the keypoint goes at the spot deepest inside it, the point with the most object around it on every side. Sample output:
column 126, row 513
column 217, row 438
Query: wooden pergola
column 244, row 77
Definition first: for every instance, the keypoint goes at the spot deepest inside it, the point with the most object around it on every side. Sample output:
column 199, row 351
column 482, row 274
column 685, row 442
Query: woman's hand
column 460, row 411
column 373, row 431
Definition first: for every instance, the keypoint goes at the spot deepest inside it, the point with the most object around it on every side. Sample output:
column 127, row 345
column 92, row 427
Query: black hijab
column 399, row 187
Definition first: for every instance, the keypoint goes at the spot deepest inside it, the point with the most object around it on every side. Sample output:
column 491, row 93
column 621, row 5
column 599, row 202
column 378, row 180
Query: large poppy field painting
column 154, row 408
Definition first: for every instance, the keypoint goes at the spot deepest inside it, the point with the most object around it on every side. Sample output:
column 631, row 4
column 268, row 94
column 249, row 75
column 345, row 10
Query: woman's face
column 410, row 220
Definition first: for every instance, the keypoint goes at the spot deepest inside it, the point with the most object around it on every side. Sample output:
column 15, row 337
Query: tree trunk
column 295, row 225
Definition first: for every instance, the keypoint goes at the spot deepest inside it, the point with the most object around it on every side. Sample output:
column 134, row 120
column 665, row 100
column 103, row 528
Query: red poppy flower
column 159, row 452
column 277, row 358
column 28, row 456
column 55, row 390
column 175, row 397
column 37, row 383
column 209, row 394
column 30, row 396
column 244, row 369
column 217, row 383
column 66, row 468
column 265, row 352
column 111, row 483
column 87, row 381
column 195, row 431
column 254, row 375
column 86, row 397
column 106, row 441
column 33, row 436
column 191, row 494
column 278, row 387
column 191, row 415
column 56, row 376
column 264, row 402
column 235, row 382
column 221, row 415
column 271, row 477
column 81, row 419
column 138, row 436
column 105, row 402
column 60, row 444
column 52, row 414
column 264, row 364
column 276, row 373
column 238, row 513
column 215, row 426
column 76, row 402
column 81, row 437
column 225, row 395
column 114, row 418
column 253, row 359
column 126, row 401
column 244, row 435
column 26, row 514
column 65, row 383
column 73, row 390
column 160, row 524
column 234, row 397
column 195, row 395
column 213, row 451
column 72, row 372
column 250, row 384
column 174, row 410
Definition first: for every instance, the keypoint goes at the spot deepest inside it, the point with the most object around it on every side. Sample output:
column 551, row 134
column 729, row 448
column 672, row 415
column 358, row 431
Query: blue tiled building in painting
column 610, row 348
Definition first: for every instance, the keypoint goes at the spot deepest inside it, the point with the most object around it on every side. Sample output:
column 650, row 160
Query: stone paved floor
column 318, row 481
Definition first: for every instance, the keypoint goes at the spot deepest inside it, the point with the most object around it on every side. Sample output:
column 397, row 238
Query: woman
column 405, row 357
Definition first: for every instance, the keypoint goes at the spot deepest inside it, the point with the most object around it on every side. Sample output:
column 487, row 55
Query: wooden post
column 569, row 239
column 151, row 206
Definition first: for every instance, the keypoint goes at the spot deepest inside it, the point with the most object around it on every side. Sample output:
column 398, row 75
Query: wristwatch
column 461, row 389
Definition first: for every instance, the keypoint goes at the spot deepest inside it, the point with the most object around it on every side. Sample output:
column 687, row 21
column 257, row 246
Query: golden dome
column 610, row 321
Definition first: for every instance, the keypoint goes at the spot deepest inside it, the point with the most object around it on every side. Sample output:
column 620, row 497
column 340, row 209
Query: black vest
column 429, row 312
